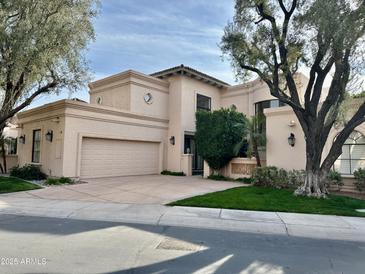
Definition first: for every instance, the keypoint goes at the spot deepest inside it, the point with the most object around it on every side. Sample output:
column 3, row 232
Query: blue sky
column 148, row 36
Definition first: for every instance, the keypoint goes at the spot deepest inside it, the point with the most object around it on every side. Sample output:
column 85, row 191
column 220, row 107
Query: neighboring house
column 10, row 135
column 138, row 124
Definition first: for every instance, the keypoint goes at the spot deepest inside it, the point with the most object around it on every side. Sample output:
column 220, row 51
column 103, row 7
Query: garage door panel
column 103, row 157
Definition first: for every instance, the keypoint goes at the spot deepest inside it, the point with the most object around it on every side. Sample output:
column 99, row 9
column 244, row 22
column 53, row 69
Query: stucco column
column 187, row 164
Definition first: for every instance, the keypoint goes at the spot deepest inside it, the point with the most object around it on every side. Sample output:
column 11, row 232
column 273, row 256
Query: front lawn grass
column 12, row 184
column 271, row 199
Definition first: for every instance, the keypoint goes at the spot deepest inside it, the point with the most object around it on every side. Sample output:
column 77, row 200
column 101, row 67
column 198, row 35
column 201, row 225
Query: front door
column 191, row 148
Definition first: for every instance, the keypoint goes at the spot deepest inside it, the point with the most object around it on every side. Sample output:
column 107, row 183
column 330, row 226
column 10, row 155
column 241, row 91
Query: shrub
column 52, row 182
column 267, row 176
column 295, row 178
column 66, row 181
column 172, row 173
column 28, row 172
column 360, row 179
column 217, row 135
column 218, row 177
column 271, row 176
column 59, row 181
column 245, row 180
column 334, row 178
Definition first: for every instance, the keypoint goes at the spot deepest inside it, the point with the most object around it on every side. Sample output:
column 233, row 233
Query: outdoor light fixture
column 22, row 139
column 49, row 135
column 291, row 139
column 292, row 123
column 172, row 140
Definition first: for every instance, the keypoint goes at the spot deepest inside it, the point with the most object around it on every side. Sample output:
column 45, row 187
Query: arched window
column 353, row 154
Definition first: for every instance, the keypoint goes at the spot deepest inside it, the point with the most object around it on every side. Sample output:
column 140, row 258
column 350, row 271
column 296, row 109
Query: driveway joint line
column 286, row 228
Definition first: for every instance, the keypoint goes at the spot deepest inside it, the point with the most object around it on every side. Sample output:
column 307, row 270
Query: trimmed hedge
column 272, row 176
column 59, row 181
column 28, row 172
column 217, row 135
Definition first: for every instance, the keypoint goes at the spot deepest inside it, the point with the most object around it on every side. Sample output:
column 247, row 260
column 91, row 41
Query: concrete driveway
column 151, row 189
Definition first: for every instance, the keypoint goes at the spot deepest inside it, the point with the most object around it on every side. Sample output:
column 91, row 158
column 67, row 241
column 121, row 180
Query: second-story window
column 203, row 102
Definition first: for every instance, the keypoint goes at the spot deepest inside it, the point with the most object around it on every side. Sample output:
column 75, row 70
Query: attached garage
column 109, row 157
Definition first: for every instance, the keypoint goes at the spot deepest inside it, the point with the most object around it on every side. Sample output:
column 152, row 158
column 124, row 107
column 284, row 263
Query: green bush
column 295, row 178
column 271, row 176
column 59, row 181
column 217, row 135
column 268, row 176
column 52, row 182
column 334, row 178
column 245, row 180
column 28, row 172
column 218, row 177
column 360, row 179
column 172, row 173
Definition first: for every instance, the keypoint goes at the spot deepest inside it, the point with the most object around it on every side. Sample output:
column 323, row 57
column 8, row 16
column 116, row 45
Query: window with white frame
column 353, row 154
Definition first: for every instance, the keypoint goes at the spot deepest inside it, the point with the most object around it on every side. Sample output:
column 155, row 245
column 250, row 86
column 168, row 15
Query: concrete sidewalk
column 287, row 224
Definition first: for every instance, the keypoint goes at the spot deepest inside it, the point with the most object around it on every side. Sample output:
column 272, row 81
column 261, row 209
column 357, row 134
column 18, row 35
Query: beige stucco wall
column 190, row 89
column 175, row 125
column 278, row 128
column 78, row 120
column 182, row 108
column 126, row 91
column 159, row 106
column 44, row 118
column 117, row 96
column 245, row 96
column 123, row 114
column 279, row 125
column 91, row 123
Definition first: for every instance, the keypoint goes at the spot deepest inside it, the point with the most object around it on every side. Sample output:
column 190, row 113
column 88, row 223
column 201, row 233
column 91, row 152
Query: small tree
column 217, row 134
column 41, row 49
column 253, row 137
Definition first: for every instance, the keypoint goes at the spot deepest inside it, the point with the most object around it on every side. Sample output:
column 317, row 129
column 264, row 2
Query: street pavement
column 277, row 223
column 64, row 245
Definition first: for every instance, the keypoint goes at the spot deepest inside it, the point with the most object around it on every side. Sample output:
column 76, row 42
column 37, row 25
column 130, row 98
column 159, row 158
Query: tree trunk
column 4, row 155
column 256, row 151
column 315, row 183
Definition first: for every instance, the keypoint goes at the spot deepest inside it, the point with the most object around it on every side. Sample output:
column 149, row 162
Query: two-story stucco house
column 137, row 124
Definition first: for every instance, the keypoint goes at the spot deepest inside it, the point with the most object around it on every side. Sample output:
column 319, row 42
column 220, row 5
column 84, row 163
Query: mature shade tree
column 217, row 134
column 42, row 45
column 272, row 38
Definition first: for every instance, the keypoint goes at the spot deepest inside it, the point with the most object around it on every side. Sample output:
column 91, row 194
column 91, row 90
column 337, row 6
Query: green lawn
column 270, row 199
column 11, row 184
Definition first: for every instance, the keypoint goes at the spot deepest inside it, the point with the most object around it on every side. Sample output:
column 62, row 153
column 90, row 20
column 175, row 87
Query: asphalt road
column 50, row 245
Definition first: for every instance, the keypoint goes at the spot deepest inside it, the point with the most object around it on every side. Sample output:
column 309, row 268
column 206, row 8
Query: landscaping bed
column 272, row 199
column 11, row 184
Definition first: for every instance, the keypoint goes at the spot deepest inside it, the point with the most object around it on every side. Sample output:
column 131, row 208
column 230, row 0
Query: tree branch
column 336, row 148
column 28, row 101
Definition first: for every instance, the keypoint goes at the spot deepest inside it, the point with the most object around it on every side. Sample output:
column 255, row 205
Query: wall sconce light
column 292, row 123
column 172, row 140
column 49, row 135
column 22, row 139
column 291, row 139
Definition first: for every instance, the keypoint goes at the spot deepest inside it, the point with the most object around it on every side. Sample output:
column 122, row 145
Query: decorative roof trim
column 63, row 104
column 188, row 71
column 127, row 74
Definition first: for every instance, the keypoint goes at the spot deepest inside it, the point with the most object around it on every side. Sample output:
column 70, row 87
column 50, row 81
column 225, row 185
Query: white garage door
column 104, row 157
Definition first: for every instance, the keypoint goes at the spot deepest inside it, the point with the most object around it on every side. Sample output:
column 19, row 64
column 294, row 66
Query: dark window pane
column 36, row 146
column 203, row 102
